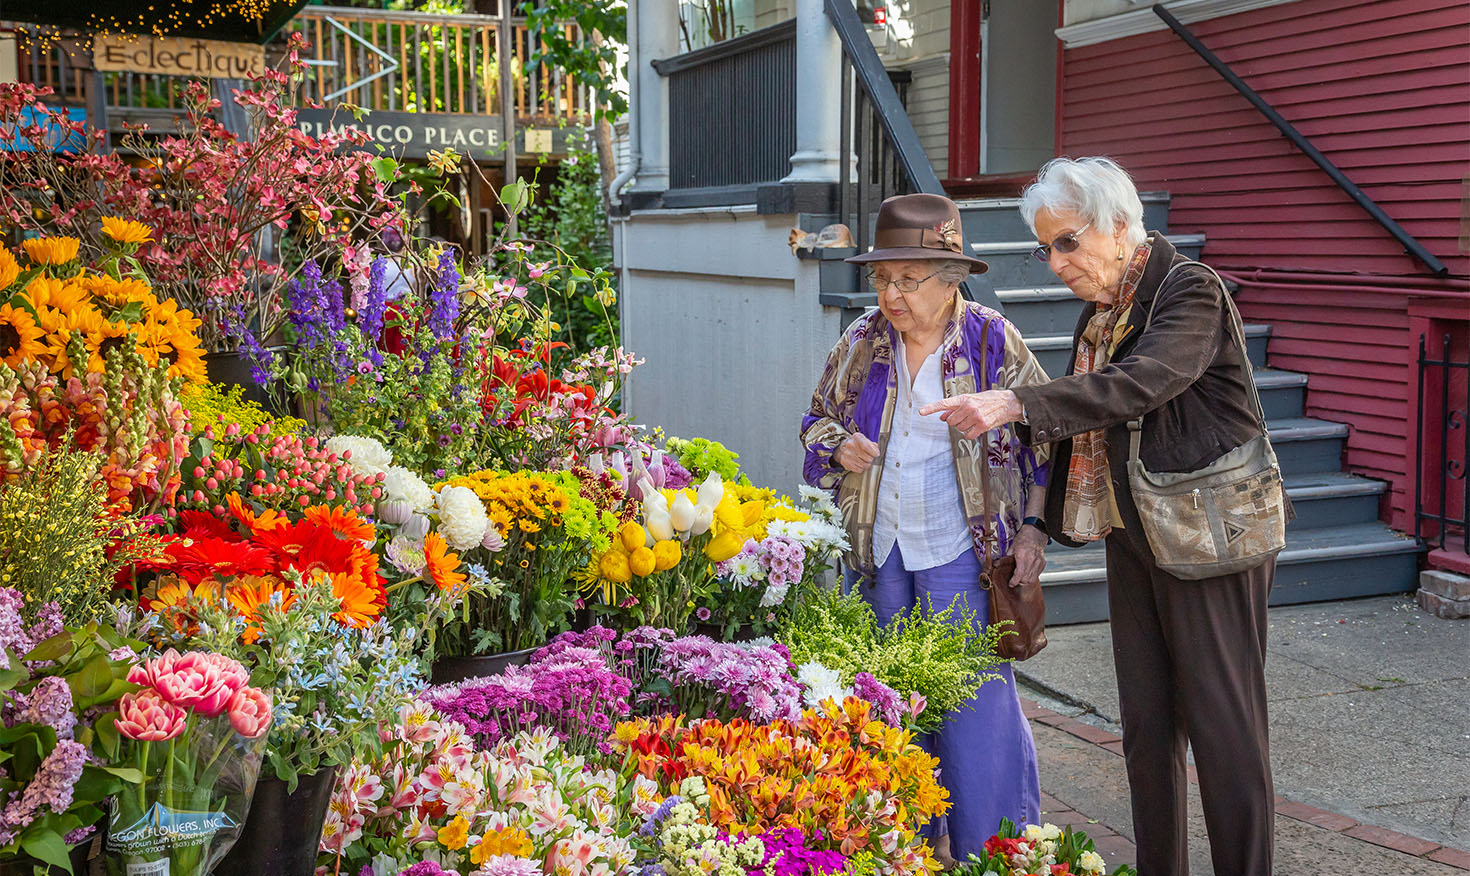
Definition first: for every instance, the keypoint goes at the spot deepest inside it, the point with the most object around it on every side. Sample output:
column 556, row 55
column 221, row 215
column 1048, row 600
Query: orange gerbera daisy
column 172, row 593
column 248, row 594
column 9, row 268
column 342, row 521
column 441, row 566
column 52, row 250
column 20, row 338
column 265, row 521
column 362, row 601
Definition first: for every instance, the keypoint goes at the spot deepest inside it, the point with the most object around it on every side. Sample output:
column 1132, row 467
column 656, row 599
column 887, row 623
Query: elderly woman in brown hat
column 1159, row 373
column 927, row 506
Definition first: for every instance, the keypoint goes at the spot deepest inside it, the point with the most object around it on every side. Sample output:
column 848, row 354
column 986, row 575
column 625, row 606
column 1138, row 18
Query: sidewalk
column 1370, row 715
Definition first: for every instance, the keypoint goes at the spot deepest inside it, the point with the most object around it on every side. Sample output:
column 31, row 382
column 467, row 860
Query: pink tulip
column 197, row 680
column 147, row 716
column 250, row 712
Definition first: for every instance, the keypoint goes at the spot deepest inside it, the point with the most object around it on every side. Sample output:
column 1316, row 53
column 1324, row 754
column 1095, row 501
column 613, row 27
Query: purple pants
column 987, row 758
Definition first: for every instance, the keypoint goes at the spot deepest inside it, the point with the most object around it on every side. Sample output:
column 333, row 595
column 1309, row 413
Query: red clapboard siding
column 1383, row 88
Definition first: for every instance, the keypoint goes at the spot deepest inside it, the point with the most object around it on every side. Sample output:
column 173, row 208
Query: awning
column 200, row 19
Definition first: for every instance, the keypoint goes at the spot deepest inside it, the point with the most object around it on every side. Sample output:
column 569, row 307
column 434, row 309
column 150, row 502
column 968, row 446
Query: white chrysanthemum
column 403, row 485
column 774, row 595
column 745, row 570
column 462, row 519
column 368, row 457
column 821, row 684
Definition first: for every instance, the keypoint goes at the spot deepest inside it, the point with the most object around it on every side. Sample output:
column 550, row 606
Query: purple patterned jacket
column 857, row 393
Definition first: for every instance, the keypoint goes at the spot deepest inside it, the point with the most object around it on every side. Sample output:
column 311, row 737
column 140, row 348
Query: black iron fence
column 1441, row 488
column 732, row 108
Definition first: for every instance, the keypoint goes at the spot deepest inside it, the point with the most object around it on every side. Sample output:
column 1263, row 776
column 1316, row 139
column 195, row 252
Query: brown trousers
column 1190, row 659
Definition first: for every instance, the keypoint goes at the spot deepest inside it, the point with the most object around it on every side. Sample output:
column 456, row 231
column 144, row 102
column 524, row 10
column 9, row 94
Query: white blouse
column 919, row 506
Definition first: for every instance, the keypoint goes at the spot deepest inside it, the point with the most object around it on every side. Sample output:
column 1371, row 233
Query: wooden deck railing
column 375, row 59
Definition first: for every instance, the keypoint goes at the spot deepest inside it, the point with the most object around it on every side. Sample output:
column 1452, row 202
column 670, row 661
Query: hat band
column 925, row 238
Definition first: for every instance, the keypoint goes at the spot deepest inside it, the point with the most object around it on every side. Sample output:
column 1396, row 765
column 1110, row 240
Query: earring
column 1120, row 252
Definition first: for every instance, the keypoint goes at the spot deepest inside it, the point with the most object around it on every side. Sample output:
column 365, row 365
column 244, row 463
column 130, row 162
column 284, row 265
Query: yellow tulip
column 666, row 555
column 633, row 536
column 642, row 562
column 614, row 567
column 724, row 546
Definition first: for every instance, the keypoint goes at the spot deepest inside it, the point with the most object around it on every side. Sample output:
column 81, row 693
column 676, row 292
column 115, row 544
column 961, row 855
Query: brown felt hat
column 919, row 227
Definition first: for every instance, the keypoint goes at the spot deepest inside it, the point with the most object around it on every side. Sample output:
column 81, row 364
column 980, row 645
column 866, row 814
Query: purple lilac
column 51, row 788
column 50, row 704
column 444, row 297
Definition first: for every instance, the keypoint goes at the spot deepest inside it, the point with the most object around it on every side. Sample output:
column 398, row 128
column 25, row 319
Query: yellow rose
column 642, row 562
column 724, row 546
column 633, row 536
column 614, row 567
column 666, row 555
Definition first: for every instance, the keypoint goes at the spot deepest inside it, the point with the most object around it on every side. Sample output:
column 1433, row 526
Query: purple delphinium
column 370, row 317
column 261, row 359
column 444, row 297
column 315, row 306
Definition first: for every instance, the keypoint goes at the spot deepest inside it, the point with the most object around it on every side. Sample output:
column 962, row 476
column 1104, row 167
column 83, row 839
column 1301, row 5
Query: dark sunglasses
column 1064, row 244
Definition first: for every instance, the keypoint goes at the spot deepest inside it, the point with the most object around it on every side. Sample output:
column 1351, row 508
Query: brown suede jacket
column 1182, row 376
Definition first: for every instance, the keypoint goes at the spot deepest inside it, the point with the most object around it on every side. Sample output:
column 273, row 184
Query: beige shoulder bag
column 1230, row 515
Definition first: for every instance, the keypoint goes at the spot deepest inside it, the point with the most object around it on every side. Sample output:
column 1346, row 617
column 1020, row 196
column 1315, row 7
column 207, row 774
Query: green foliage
column 56, row 534
column 702, row 456
column 212, row 404
column 570, row 216
column 591, row 57
column 935, row 654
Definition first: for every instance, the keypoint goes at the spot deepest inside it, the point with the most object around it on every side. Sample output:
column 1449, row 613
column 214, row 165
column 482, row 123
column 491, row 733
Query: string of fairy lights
column 162, row 18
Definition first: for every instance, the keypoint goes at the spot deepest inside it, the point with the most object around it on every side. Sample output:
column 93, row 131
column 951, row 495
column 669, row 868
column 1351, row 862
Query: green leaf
column 130, row 775
column 54, row 649
column 131, row 312
column 46, row 845
column 94, row 679
column 9, row 678
column 97, row 784
column 386, row 168
column 107, row 734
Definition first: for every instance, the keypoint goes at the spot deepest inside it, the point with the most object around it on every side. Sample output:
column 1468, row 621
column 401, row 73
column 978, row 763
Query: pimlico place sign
column 415, row 135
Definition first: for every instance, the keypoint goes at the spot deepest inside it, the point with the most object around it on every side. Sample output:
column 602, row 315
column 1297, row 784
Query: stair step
column 1333, row 498
column 1012, row 265
column 1041, row 310
column 1339, row 562
column 994, row 219
column 1307, row 446
column 1055, row 351
column 1283, row 393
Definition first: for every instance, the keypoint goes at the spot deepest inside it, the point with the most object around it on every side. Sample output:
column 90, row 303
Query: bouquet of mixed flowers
column 59, row 744
column 1038, row 850
column 834, row 772
column 526, row 806
column 194, row 731
column 934, row 660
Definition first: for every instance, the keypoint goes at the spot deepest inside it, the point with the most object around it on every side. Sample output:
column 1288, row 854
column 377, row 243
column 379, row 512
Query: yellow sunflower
column 125, row 231
column 119, row 292
column 20, row 337
column 64, row 295
column 9, row 268
column 52, row 250
column 188, row 363
column 107, row 337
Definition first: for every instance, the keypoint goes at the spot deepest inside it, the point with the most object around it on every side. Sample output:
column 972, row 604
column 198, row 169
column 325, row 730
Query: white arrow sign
column 392, row 64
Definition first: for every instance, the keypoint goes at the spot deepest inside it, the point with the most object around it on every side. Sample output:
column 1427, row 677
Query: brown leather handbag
column 1023, row 608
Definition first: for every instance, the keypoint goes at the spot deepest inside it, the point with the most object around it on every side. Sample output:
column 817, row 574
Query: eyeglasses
column 905, row 285
column 1064, row 244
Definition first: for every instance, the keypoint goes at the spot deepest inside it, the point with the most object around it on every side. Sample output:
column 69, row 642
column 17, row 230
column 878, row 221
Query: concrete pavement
column 1370, row 736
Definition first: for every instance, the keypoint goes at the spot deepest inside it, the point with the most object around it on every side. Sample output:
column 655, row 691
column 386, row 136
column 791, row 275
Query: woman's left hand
column 975, row 413
column 1029, row 551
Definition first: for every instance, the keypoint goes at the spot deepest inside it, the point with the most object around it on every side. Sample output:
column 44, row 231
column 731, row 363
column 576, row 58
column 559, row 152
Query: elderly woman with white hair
column 928, row 509
column 1157, row 341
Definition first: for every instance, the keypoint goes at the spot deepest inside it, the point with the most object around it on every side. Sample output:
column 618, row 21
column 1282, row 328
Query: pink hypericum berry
column 211, row 484
column 198, row 471
column 256, row 491
column 253, row 438
column 219, row 510
column 303, row 501
column 198, row 495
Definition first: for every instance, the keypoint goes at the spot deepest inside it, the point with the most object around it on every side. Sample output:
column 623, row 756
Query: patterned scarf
column 1089, row 511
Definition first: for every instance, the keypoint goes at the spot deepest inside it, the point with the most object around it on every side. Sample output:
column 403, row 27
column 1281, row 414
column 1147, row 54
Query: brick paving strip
column 1118, row 849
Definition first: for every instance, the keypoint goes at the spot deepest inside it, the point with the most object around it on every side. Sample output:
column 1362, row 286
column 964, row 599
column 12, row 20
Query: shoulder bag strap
column 982, row 383
column 1237, row 331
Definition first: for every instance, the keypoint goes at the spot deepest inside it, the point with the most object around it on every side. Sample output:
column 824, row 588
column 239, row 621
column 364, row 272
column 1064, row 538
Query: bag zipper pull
column 1196, row 500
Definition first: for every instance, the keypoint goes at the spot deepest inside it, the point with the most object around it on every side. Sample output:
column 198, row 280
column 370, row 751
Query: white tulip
column 682, row 512
column 704, row 518
column 711, row 491
column 658, row 524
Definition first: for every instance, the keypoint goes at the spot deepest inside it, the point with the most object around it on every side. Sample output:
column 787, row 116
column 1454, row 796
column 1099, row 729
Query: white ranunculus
column 462, row 519
column 365, row 456
column 404, row 485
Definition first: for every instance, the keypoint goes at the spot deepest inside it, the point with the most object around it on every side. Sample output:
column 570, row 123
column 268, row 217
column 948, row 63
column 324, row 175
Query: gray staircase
column 1335, row 549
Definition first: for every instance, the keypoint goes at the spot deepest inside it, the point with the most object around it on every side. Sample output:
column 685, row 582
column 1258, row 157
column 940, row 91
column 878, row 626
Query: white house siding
column 918, row 41
column 769, row 12
column 731, row 329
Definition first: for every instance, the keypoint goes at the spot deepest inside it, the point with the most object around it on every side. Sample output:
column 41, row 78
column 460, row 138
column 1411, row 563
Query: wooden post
column 505, row 43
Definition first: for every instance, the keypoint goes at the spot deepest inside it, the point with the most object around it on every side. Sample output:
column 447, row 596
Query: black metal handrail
column 1411, row 245
column 875, row 125
column 1450, row 419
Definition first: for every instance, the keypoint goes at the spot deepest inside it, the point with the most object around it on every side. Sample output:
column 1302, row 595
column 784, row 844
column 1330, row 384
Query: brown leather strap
column 928, row 238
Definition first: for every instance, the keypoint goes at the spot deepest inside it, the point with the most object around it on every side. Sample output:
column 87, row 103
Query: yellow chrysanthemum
column 20, row 337
column 52, row 250
column 125, row 230
column 9, row 268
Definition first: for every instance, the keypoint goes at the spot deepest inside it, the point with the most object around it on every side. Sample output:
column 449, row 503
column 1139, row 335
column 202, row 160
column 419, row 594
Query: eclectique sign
column 415, row 135
column 173, row 56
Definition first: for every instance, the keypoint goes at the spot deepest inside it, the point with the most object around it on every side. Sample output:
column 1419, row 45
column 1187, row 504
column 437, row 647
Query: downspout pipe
column 635, row 145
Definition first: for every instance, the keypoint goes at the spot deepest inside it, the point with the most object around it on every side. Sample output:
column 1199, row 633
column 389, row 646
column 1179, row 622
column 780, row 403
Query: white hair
column 1096, row 189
